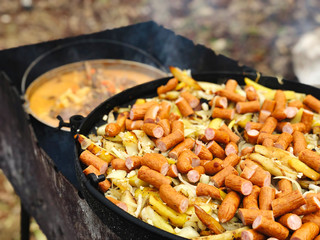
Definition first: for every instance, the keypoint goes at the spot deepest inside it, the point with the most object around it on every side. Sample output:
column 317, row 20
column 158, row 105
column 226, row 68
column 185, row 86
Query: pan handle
column 74, row 123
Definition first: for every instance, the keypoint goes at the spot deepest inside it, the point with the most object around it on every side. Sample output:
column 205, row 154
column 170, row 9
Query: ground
column 258, row 33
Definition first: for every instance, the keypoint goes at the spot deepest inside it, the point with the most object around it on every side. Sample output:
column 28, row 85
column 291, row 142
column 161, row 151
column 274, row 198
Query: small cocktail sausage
column 89, row 158
column 270, row 228
column 173, row 199
column 152, row 177
column 228, row 207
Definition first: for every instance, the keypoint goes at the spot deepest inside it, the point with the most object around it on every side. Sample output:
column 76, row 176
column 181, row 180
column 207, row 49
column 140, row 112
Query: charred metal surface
column 45, row 193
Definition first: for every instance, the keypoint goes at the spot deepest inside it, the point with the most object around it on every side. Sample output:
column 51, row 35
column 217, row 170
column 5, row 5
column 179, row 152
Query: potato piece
column 299, row 166
column 215, row 123
column 86, row 143
column 150, row 216
column 130, row 142
column 269, row 165
column 208, row 220
column 137, row 182
column 146, row 192
column 176, row 218
column 228, row 235
column 188, row 232
column 130, row 201
column 183, row 77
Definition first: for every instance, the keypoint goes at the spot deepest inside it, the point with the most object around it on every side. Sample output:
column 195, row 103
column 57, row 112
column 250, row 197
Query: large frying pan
column 122, row 223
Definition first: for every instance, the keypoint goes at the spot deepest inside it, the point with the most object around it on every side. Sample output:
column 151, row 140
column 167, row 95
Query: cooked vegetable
column 195, row 171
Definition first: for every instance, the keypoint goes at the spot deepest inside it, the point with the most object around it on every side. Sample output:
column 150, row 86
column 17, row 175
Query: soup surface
column 78, row 88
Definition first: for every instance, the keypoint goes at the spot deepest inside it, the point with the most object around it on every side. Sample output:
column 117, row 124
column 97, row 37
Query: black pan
column 122, row 223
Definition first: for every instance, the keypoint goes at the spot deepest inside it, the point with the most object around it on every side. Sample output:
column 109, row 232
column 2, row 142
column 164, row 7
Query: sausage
column 253, row 126
column 195, row 174
column 216, row 149
column 208, row 190
column 231, row 148
column 308, row 231
column 270, row 228
column 228, row 207
column 280, row 99
column 104, row 185
column 153, row 130
column 171, row 85
column 268, row 142
column 248, row 107
column 213, row 166
column 269, row 125
column 247, row 216
column 312, row 103
column 261, row 177
column 290, row 112
column 118, row 203
column 167, row 142
column 121, row 120
column 151, row 114
column 291, row 221
column 251, row 136
column 173, row 117
column 223, row 113
column 231, row 160
column 138, row 111
column 184, row 107
column 219, row 178
column 187, row 143
column 165, row 124
column 173, row 199
column 251, row 201
column 263, row 136
column 133, row 162
column 284, row 186
column 284, row 127
column 172, row 171
column 295, row 103
column 231, row 85
column 283, row 141
column 202, row 152
column 184, row 163
column 250, row 234
column 312, row 205
column 299, row 142
column 233, row 137
column 311, row 158
column 298, row 127
column 177, row 125
column 231, row 96
column 88, row 158
column 152, row 177
column 220, row 102
column 155, row 161
column 287, row 203
column 307, row 118
column 246, row 151
column 251, row 93
column 217, row 135
column 263, row 115
column 164, row 110
column 239, row 184
column 247, row 172
column 191, row 99
column 268, row 105
column 134, row 125
column 266, row 196
column 119, row 164
column 112, row 129
column 313, row 217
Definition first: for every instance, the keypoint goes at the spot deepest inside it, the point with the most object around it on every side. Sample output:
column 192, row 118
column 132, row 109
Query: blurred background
column 277, row 38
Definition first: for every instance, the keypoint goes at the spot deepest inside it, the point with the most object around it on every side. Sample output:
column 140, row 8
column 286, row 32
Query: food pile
column 209, row 161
